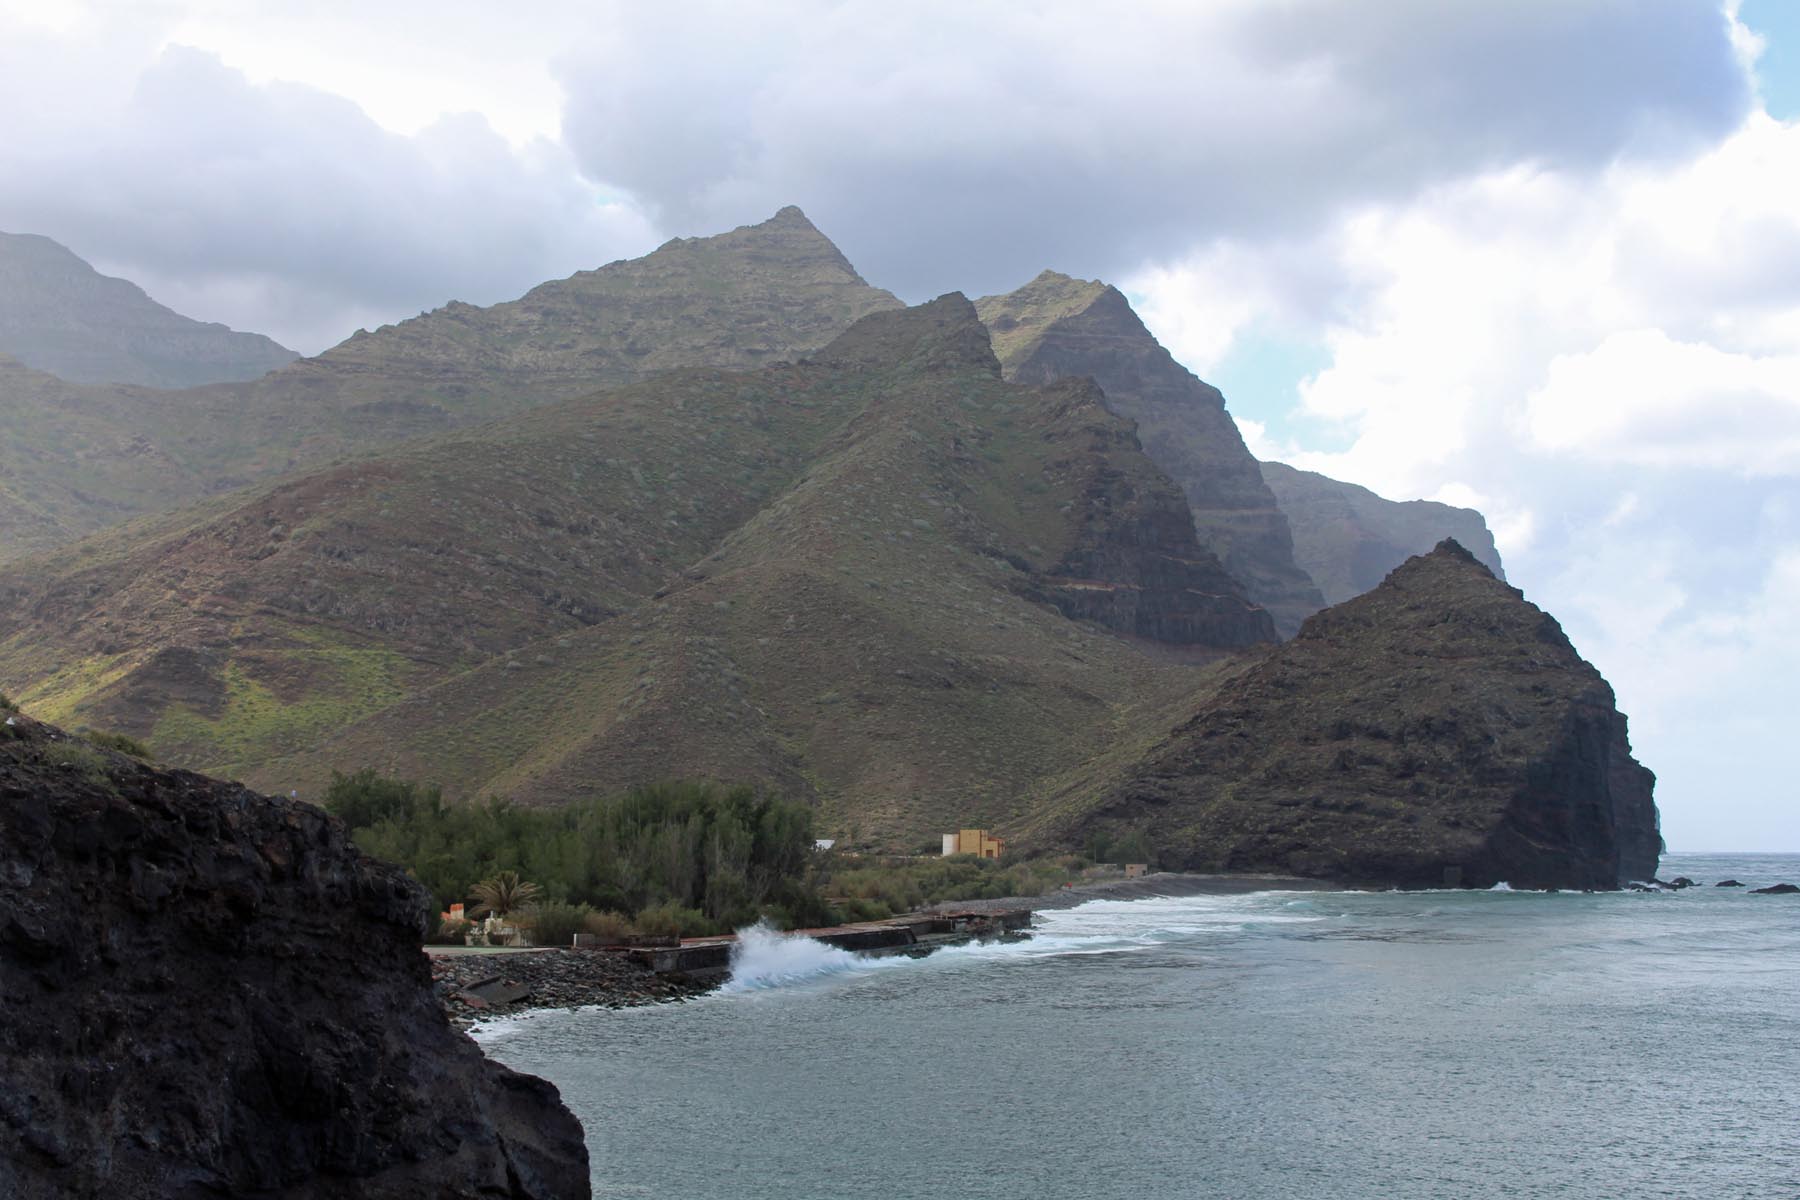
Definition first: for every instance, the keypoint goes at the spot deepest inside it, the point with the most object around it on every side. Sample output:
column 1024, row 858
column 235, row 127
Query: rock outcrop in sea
column 1439, row 730
column 210, row 992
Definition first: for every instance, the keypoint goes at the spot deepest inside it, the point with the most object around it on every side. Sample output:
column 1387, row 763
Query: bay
column 1276, row 1044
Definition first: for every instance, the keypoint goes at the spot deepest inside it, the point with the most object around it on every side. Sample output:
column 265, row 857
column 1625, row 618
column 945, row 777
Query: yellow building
column 973, row 841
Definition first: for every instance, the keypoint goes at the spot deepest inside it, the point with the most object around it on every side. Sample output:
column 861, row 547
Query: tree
column 502, row 895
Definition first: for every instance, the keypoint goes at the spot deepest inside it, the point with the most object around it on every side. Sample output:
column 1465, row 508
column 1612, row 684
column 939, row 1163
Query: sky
column 1540, row 258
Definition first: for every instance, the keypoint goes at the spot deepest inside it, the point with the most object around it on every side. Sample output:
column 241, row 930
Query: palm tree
column 502, row 895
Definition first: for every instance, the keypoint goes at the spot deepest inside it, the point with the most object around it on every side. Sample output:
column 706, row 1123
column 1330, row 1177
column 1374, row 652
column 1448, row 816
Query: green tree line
column 727, row 855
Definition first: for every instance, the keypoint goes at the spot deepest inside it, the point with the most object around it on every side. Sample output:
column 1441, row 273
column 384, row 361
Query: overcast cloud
column 1537, row 257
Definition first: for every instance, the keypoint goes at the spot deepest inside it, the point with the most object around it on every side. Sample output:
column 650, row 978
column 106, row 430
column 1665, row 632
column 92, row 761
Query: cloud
column 287, row 207
column 1641, row 397
column 953, row 145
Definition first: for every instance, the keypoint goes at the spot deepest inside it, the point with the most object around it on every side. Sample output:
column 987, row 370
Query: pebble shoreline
column 556, row 977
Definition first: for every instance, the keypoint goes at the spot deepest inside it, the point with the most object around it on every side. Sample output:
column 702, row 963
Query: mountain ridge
column 1058, row 326
column 59, row 315
column 893, row 474
column 757, row 294
column 1347, row 538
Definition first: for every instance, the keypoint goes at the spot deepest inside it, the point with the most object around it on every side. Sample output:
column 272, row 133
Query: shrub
column 553, row 923
column 119, row 742
column 6, row 704
column 611, row 927
column 674, row 920
column 858, row 909
column 80, row 759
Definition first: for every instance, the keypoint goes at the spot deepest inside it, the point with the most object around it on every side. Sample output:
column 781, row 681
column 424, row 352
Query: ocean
column 1275, row 1044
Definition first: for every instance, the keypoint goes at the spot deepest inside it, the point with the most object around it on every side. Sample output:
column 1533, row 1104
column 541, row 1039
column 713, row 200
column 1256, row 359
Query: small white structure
column 824, row 843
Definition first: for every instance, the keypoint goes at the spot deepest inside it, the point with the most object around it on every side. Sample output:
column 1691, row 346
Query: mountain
column 75, row 458
column 212, row 992
column 1057, row 327
column 58, row 314
column 1348, row 538
column 881, row 577
column 1438, row 730
column 91, row 456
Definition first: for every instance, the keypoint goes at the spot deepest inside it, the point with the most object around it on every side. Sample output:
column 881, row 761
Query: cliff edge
column 211, row 992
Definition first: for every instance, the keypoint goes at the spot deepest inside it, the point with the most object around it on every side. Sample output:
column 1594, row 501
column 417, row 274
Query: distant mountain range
column 58, row 314
column 726, row 510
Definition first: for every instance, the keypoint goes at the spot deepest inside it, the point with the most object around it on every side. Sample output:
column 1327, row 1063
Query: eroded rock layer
column 213, row 993
column 1438, row 730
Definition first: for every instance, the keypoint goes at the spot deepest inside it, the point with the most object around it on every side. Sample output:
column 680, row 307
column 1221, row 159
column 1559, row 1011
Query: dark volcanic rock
column 1439, row 730
column 1779, row 889
column 1056, row 327
column 1137, row 567
column 1728, row 883
column 210, row 992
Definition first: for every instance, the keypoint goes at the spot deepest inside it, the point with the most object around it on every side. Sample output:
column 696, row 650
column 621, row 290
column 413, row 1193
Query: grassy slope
column 868, row 633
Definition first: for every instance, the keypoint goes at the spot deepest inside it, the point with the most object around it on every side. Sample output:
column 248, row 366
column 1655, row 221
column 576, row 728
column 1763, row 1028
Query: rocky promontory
column 210, row 992
column 1437, row 731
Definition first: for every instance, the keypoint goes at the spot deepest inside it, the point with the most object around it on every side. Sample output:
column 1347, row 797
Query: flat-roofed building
column 978, row 842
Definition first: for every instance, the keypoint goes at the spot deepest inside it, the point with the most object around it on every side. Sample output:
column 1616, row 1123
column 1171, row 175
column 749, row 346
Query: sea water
column 1277, row 1044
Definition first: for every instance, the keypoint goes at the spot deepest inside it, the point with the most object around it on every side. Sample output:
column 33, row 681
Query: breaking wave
column 765, row 958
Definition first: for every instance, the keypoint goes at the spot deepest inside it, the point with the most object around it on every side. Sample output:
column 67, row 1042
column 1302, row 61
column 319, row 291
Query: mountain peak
column 942, row 334
column 790, row 215
column 58, row 314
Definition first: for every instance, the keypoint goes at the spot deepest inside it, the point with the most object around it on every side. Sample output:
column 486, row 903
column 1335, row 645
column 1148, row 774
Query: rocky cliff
column 1437, row 730
column 212, row 993
column 1056, row 327
column 60, row 315
column 1348, row 538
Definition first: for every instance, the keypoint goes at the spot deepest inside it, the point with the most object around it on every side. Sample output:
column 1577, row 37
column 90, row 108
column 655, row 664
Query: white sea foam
column 764, row 958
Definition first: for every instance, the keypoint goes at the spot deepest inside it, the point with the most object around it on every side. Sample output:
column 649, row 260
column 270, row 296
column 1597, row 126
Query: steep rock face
column 1136, row 566
column 1348, row 538
column 211, row 992
column 1439, row 729
column 58, row 314
column 1056, row 327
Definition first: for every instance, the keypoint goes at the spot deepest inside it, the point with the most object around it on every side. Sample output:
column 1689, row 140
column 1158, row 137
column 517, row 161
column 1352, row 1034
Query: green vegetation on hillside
column 870, row 889
column 733, row 854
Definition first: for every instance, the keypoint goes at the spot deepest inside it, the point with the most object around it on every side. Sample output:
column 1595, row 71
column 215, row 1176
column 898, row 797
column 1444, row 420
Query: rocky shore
column 477, row 987
column 213, row 993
